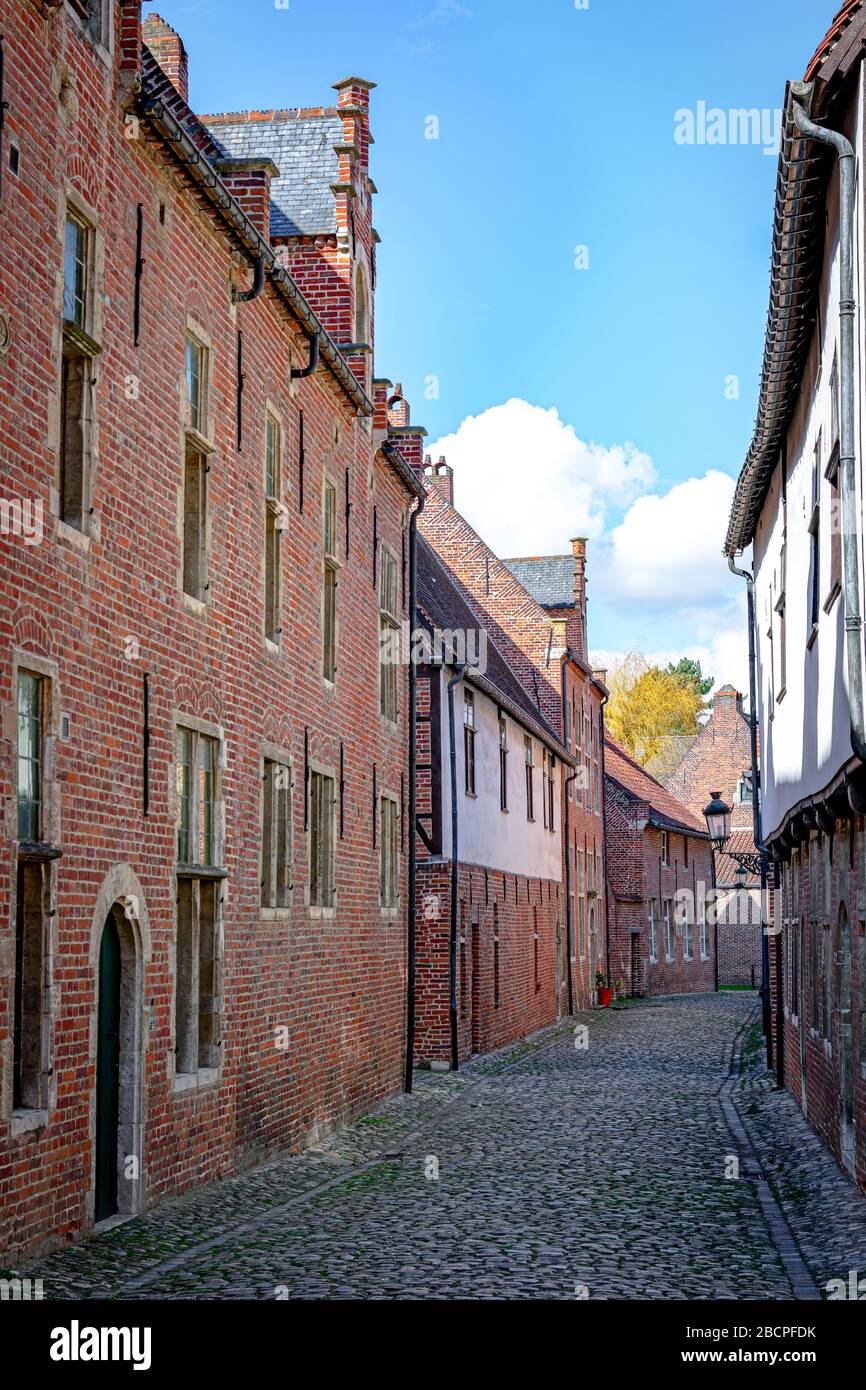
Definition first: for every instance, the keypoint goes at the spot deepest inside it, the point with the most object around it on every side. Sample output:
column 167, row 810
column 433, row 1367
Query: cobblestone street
column 558, row 1168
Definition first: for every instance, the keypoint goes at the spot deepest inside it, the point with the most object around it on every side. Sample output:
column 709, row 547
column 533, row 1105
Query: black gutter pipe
column 459, row 672
column 299, row 372
column 766, row 1011
column 569, row 918
column 246, row 296
column 411, row 921
column 601, row 710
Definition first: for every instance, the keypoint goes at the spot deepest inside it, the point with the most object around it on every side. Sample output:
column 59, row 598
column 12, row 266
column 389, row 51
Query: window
column 587, row 750
column 29, row 757
column 95, row 16
column 666, row 848
column 276, row 834
column 503, row 763
column 199, row 898
column 703, row 926
column 828, row 983
column 321, row 839
column 744, row 788
column 813, row 992
column 389, row 630
column 581, row 906
column 329, row 604
column 496, row 965
column 195, row 473
column 75, row 272
column 685, row 851
column 469, row 740
column 195, row 358
column 195, row 492
column 835, row 584
column 688, row 933
column 527, row 758
column 389, row 863
column 196, row 771
column 579, row 781
column 273, row 526
column 596, row 794
column 548, row 784
column 815, row 533
column 669, row 929
column 31, row 999
column 76, row 374
column 653, row 932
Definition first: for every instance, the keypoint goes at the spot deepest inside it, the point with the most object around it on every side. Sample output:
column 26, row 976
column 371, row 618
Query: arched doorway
column 845, row 1038
column 108, row 1029
column 119, row 952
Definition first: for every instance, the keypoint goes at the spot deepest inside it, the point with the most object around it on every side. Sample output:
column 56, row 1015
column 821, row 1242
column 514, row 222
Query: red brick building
column 202, row 764
column 659, row 884
column 489, row 883
column 540, row 631
column 720, row 759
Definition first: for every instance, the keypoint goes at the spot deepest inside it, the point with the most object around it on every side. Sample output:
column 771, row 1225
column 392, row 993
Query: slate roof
column 548, row 578
column 665, row 810
column 444, row 605
column 301, row 144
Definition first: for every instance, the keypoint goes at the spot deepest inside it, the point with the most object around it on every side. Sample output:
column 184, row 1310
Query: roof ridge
column 270, row 113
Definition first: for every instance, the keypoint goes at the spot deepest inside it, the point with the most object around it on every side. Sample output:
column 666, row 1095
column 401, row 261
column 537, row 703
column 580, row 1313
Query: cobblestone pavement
column 563, row 1172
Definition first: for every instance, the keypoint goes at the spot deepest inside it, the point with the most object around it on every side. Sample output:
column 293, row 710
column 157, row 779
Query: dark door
column 107, row 1072
column 476, row 983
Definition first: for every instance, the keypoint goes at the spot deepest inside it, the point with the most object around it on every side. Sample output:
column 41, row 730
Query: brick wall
column 336, row 985
column 823, row 925
column 524, row 915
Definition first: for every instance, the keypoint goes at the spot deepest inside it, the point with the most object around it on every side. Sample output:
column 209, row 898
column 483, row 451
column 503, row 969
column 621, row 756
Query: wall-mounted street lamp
column 718, row 818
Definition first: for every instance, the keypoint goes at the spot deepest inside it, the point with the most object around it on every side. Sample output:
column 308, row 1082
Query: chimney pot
column 166, row 45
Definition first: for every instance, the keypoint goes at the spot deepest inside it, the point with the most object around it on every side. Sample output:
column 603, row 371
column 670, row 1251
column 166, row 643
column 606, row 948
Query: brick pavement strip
column 562, row 1173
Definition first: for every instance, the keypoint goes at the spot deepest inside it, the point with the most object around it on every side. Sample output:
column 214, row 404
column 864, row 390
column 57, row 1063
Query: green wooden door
column 108, row 1072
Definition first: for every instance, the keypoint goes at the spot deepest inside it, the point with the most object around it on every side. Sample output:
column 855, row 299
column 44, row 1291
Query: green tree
column 690, row 670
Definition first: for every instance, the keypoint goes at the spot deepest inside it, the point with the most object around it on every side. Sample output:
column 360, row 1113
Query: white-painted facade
column 802, row 668
column 507, row 840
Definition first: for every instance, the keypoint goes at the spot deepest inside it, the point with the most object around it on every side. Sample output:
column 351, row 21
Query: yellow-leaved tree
column 652, row 711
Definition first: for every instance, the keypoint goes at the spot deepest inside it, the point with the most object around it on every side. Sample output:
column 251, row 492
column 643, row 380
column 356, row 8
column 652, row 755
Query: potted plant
column 604, row 989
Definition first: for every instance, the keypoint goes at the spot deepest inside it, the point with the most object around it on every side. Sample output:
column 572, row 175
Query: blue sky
column 556, row 131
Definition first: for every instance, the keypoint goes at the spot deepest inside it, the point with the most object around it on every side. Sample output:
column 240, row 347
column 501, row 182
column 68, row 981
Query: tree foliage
column 691, row 671
column 650, row 708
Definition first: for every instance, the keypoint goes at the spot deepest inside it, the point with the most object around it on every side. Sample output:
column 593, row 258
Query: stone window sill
column 72, row 536
column 275, row 914
column 324, row 914
column 204, row 1078
column 23, row 1121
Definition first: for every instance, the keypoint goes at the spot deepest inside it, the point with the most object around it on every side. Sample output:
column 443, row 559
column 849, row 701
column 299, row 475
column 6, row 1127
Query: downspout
column 766, row 1012
column 245, row 296
column 601, row 710
column 569, row 918
column 459, row 672
column 801, row 93
column 413, row 777
column 299, row 372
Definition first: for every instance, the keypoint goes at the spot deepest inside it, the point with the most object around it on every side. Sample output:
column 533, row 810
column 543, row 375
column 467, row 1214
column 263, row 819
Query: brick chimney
column 408, row 438
column 577, row 626
column 727, row 706
column 440, row 478
column 167, row 48
column 353, row 104
column 249, row 182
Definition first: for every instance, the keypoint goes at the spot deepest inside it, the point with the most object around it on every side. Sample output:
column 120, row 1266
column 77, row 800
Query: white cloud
column 668, row 548
column 527, row 483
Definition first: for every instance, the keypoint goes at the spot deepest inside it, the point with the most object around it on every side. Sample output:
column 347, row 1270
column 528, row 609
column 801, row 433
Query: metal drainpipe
column 413, row 778
column 766, row 1012
column 602, row 708
column 569, row 919
column 299, row 372
column 459, row 673
column 847, row 311
column 246, row 296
